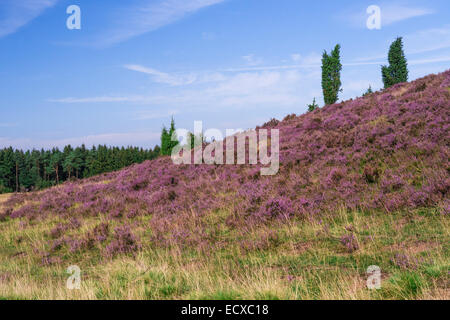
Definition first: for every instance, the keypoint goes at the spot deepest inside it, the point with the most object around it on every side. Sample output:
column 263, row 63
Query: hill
column 363, row 182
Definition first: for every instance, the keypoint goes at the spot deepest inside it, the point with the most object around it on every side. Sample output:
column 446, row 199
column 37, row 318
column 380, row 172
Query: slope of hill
column 364, row 182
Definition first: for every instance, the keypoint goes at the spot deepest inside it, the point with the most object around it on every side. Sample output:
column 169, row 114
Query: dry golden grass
column 3, row 198
column 308, row 262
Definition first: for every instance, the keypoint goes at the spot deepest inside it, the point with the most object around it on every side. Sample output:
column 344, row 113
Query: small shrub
column 124, row 242
column 371, row 174
column 349, row 242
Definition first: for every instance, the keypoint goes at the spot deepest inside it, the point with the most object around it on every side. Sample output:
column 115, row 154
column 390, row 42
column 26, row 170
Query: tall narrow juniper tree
column 331, row 75
column 172, row 131
column 397, row 71
column 166, row 139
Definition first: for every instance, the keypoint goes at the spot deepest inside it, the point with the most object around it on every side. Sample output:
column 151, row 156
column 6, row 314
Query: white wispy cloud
column 162, row 77
column 178, row 79
column 6, row 142
column 252, row 60
column 296, row 57
column 242, row 89
column 395, row 13
column 98, row 99
column 415, row 43
column 283, row 86
column 309, row 61
column 146, row 16
column 428, row 40
column 429, row 60
column 15, row 14
column 390, row 13
column 144, row 138
column 151, row 114
column 126, row 138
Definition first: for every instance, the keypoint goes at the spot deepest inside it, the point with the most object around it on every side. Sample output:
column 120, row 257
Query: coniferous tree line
column 22, row 171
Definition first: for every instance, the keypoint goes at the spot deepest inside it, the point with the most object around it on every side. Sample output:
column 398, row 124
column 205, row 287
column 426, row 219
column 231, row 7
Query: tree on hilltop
column 397, row 71
column 313, row 106
column 172, row 131
column 166, row 139
column 369, row 91
column 331, row 75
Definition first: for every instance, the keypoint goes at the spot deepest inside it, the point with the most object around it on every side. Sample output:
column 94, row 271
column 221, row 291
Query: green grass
column 305, row 260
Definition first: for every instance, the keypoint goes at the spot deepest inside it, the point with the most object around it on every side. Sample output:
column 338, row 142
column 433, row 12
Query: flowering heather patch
column 386, row 151
column 349, row 242
column 100, row 232
column 446, row 208
column 402, row 261
column 124, row 242
column 61, row 228
column 49, row 260
column 281, row 207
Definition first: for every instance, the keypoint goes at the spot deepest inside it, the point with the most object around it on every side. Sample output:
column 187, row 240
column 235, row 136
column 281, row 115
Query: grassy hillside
column 364, row 182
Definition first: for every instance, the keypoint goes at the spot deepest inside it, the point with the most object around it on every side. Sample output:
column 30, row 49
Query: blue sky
column 230, row 63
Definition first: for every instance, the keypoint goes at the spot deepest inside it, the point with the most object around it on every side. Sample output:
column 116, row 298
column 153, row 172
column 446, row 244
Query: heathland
column 363, row 182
